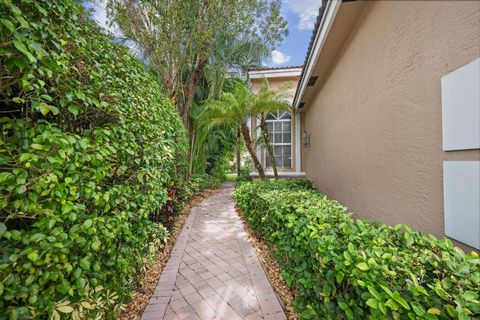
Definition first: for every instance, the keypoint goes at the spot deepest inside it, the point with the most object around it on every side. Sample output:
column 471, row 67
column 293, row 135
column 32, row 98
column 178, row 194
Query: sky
column 301, row 16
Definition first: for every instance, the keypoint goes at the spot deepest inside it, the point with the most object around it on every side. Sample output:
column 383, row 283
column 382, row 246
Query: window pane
column 277, row 151
column 278, row 137
column 286, row 115
column 278, row 161
column 271, row 137
column 287, row 137
column 271, row 116
column 270, row 126
column 287, row 162
column 287, row 150
column 286, row 126
column 277, row 127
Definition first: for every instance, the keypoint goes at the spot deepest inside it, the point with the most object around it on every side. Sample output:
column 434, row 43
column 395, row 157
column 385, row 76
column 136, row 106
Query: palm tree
column 238, row 104
column 268, row 100
column 206, row 140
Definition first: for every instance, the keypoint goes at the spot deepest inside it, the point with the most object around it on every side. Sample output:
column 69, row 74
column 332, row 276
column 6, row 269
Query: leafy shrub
column 197, row 183
column 244, row 175
column 218, row 174
column 89, row 146
column 245, row 172
column 343, row 267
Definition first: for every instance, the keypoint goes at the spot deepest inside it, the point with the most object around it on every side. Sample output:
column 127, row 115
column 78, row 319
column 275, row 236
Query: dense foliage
column 211, row 147
column 208, row 39
column 88, row 153
column 201, row 181
column 346, row 268
column 244, row 175
column 238, row 103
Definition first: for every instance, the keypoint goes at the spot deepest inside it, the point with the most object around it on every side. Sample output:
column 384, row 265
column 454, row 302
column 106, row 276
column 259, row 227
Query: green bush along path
column 89, row 147
column 346, row 268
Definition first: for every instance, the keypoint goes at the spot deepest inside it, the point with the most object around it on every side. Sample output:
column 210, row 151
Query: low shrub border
column 346, row 268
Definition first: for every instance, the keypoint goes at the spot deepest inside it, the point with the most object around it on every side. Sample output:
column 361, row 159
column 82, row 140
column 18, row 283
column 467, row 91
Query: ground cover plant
column 89, row 152
column 346, row 268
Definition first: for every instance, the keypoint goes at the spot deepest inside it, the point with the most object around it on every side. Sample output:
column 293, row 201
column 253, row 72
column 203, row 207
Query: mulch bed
column 151, row 273
column 272, row 268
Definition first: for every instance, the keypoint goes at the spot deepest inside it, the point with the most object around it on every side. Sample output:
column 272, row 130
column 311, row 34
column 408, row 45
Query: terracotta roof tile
column 321, row 11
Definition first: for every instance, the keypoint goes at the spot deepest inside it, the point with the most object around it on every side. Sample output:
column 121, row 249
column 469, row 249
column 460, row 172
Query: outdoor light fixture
column 306, row 139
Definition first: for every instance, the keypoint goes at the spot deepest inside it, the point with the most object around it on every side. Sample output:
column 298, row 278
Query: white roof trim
column 274, row 73
column 281, row 174
column 331, row 10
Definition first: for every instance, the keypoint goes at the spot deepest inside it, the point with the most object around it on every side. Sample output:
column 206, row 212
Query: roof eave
column 320, row 35
column 275, row 73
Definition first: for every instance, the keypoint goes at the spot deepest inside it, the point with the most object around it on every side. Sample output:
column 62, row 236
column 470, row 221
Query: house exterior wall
column 375, row 124
column 276, row 84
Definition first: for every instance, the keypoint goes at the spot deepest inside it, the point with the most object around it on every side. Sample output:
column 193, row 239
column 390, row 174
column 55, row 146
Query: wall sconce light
column 305, row 139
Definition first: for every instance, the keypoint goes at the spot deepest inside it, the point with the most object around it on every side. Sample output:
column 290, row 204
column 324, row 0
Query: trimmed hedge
column 88, row 151
column 346, row 268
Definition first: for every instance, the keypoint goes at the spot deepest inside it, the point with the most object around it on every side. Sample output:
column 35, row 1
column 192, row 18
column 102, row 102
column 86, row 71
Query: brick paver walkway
column 213, row 271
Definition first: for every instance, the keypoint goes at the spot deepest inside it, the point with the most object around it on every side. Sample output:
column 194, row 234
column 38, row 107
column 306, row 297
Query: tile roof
column 321, row 11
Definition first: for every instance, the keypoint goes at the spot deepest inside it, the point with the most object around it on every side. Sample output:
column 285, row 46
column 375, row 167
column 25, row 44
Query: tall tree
column 234, row 107
column 240, row 103
column 181, row 37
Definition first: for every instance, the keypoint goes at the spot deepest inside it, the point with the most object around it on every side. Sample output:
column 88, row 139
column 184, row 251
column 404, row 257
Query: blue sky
column 300, row 14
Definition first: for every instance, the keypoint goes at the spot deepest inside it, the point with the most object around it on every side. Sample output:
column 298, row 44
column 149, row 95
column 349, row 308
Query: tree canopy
column 182, row 37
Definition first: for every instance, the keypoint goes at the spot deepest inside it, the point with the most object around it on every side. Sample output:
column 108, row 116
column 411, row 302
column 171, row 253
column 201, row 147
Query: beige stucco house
column 389, row 99
column 283, row 126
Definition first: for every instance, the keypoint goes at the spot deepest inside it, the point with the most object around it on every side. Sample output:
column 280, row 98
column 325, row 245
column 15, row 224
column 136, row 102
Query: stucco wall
column 376, row 123
column 277, row 83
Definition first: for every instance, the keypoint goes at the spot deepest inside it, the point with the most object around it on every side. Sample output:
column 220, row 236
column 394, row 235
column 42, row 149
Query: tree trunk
column 249, row 145
column 238, row 150
column 268, row 146
column 193, row 145
column 184, row 109
column 191, row 90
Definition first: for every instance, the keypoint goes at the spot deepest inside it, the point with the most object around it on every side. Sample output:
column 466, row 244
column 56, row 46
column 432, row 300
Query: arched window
column 280, row 131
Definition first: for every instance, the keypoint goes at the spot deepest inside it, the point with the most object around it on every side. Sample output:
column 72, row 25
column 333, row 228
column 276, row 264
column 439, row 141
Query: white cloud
column 100, row 15
column 307, row 11
column 279, row 57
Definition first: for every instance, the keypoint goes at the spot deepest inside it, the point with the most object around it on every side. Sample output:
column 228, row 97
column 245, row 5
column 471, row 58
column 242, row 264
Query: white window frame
column 278, row 115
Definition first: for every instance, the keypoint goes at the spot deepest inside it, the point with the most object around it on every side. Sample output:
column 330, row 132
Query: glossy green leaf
column 363, row 266
column 7, row 23
column 3, row 229
column 372, row 303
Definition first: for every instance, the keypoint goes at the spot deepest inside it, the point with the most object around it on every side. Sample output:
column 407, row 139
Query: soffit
column 342, row 26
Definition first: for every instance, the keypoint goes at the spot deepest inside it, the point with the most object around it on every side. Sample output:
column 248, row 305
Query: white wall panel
column 461, row 183
column 461, row 107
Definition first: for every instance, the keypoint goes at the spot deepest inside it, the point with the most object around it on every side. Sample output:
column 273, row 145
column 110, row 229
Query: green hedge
column 346, row 268
column 89, row 146
column 201, row 181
